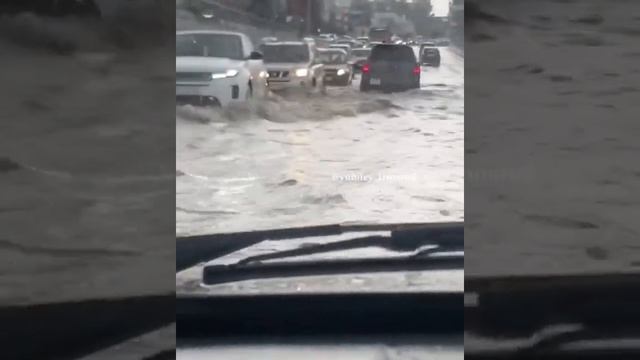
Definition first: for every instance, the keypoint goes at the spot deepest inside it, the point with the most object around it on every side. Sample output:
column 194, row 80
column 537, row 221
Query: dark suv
column 430, row 56
column 391, row 67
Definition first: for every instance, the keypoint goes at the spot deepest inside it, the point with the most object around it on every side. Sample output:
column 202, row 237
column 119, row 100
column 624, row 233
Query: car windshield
column 333, row 57
column 209, row 45
column 392, row 53
column 285, row 53
column 312, row 134
column 379, row 34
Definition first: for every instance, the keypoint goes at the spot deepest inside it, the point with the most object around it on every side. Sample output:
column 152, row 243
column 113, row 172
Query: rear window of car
column 392, row 53
column 361, row 53
column 333, row 57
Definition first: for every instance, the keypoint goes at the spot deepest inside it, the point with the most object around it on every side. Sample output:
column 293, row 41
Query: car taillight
column 416, row 70
column 366, row 68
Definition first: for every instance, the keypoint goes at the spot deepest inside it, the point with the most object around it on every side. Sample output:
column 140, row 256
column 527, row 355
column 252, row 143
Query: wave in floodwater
column 84, row 178
column 294, row 107
column 292, row 159
column 581, row 59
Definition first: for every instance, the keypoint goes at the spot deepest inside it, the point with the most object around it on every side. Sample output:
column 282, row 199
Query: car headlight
column 302, row 72
column 341, row 72
column 263, row 74
column 228, row 74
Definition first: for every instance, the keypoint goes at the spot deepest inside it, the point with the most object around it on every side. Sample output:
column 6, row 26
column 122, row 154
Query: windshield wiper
column 192, row 250
column 422, row 248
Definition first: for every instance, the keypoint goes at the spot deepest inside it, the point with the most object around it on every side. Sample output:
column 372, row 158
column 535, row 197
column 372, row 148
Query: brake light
column 366, row 68
column 416, row 70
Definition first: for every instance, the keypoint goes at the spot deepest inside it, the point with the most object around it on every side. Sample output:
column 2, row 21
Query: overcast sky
column 440, row 7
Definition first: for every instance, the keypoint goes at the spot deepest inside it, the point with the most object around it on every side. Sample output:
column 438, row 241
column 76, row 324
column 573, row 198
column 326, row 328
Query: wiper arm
column 420, row 244
column 436, row 239
column 191, row 250
column 220, row 274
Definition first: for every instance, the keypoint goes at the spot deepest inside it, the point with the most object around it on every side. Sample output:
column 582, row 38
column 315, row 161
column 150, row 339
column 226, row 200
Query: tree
column 421, row 16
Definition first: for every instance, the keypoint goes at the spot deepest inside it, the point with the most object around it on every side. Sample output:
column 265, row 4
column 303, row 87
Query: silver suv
column 294, row 65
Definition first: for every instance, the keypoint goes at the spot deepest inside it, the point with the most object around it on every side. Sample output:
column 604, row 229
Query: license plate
column 374, row 81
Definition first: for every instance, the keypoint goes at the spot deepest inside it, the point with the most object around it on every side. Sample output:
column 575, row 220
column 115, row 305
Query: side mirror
column 256, row 55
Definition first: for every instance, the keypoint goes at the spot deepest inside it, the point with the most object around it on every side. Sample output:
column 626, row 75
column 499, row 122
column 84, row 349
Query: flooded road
column 87, row 192
column 347, row 156
column 560, row 92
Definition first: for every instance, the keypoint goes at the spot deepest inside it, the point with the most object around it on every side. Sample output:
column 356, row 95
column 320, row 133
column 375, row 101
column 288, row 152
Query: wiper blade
column 438, row 239
column 419, row 245
column 192, row 250
column 220, row 274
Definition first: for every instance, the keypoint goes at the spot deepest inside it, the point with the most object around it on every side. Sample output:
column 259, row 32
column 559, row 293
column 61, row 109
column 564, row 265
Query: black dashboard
column 322, row 326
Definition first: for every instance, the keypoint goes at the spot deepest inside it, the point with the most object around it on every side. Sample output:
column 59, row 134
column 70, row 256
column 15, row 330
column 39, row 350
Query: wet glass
column 299, row 140
column 333, row 57
column 221, row 46
column 285, row 53
column 360, row 53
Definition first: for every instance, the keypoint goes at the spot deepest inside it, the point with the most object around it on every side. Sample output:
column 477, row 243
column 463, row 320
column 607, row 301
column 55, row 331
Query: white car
column 294, row 65
column 337, row 72
column 345, row 47
column 329, row 37
column 217, row 68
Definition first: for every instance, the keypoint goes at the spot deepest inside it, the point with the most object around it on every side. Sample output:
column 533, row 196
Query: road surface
column 344, row 157
column 551, row 152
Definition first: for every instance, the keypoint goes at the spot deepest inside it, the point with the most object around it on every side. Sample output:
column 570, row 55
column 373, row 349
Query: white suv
column 294, row 65
column 217, row 68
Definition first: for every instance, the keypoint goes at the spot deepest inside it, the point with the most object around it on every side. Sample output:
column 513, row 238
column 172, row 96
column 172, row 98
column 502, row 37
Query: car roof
column 212, row 32
column 392, row 45
column 334, row 50
column 300, row 43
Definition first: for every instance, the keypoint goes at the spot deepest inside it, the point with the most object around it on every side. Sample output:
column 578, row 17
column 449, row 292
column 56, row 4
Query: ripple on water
column 324, row 199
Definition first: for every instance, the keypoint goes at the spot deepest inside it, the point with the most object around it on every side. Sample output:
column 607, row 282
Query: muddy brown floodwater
column 344, row 157
column 86, row 154
column 565, row 149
